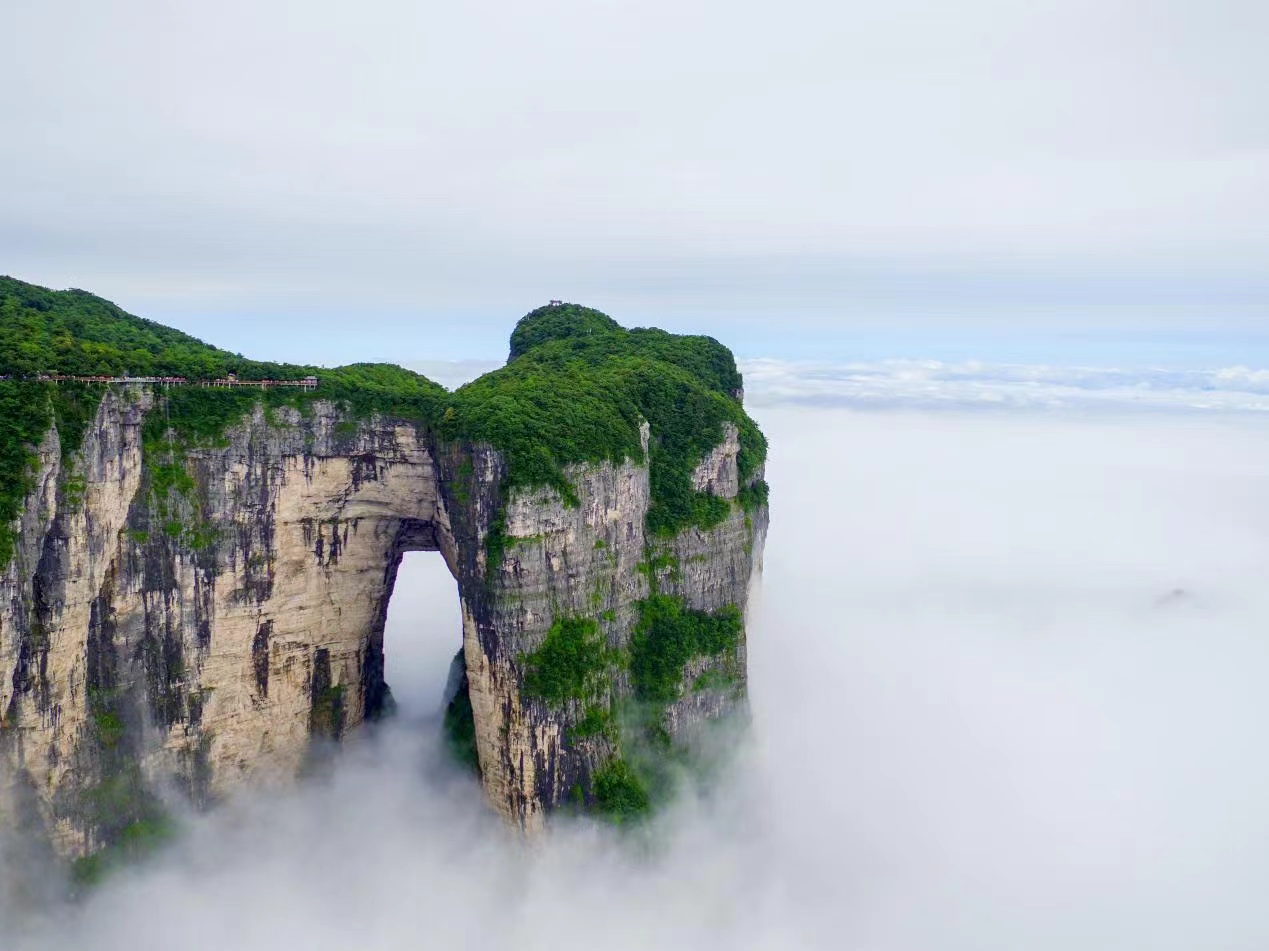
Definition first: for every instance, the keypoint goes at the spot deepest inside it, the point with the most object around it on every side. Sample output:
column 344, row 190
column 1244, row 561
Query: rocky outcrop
column 183, row 621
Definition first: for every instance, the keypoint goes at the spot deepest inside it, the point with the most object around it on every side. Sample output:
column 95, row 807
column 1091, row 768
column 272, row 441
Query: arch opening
column 423, row 631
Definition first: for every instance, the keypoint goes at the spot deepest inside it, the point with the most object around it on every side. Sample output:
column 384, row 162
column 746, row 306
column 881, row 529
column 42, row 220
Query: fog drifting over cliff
column 1007, row 680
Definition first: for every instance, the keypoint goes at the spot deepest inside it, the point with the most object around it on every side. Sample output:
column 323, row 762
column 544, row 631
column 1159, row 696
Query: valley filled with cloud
column 975, row 384
column 1007, row 692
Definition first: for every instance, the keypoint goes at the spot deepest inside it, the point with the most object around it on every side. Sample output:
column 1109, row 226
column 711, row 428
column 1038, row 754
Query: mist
column 1007, row 689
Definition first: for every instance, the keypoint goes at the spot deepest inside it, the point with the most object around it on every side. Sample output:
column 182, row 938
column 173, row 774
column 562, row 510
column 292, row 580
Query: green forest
column 78, row 334
column 576, row 388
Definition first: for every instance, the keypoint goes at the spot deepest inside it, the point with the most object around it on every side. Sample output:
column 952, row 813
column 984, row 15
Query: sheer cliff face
column 184, row 622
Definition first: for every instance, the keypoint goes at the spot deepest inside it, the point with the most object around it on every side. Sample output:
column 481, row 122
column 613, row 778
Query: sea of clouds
column 974, row 384
column 1007, row 680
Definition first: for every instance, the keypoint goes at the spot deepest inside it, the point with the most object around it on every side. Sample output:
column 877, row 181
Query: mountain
column 194, row 578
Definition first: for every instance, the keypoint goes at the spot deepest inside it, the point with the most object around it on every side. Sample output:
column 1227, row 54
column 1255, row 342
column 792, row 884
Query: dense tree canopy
column 558, row 322
column 576, row 389
column 78, row 334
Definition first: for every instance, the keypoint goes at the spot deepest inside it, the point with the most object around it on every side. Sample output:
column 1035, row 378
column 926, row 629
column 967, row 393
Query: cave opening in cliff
column 422, row 633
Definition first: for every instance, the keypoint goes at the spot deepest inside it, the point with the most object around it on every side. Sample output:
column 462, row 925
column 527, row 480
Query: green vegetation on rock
column 596, row 721
column 713, row 680
column 570, row 664
column 753, row 496
column 198, row 416
column 667, row 636
column 23, row 421
column 573, row 663
column 577, row 388
column 124, row 815
column 459, row 728
column 326, row 714
column 27, row 409
column 131, row 843
column 620, row 795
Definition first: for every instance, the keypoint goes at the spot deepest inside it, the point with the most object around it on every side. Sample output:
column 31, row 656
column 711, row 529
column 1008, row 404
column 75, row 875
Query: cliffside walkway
column 231, row 381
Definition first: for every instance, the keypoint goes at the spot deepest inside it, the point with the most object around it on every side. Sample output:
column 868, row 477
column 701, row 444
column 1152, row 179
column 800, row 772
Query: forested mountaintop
column 576, row 388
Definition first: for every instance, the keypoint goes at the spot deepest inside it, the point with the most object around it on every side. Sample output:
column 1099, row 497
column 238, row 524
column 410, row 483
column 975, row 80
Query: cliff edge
column 194, row 581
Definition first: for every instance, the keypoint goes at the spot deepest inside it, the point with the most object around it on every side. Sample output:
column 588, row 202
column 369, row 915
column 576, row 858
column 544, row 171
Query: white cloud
column 1256, row 381
column 1007, row 682
column 646, row 156
column 453, row 373
column 978, row 385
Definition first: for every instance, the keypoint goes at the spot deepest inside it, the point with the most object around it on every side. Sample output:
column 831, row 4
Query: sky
column 1006, row 674
column 398, row 180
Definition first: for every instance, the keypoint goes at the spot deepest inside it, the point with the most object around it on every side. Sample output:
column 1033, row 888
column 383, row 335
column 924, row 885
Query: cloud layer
column 976, row 385
column 1007, row 683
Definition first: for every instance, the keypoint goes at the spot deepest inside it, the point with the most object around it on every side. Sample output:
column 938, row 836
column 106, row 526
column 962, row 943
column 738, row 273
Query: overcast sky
column 411, row 176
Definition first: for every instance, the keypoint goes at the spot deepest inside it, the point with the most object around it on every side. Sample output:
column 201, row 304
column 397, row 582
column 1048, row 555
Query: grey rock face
column 185, row 626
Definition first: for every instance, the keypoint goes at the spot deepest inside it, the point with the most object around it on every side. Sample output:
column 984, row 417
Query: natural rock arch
column 194, row 580
column 154, row 661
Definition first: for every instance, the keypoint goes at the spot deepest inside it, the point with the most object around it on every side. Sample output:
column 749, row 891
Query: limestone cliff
column 181, row 618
